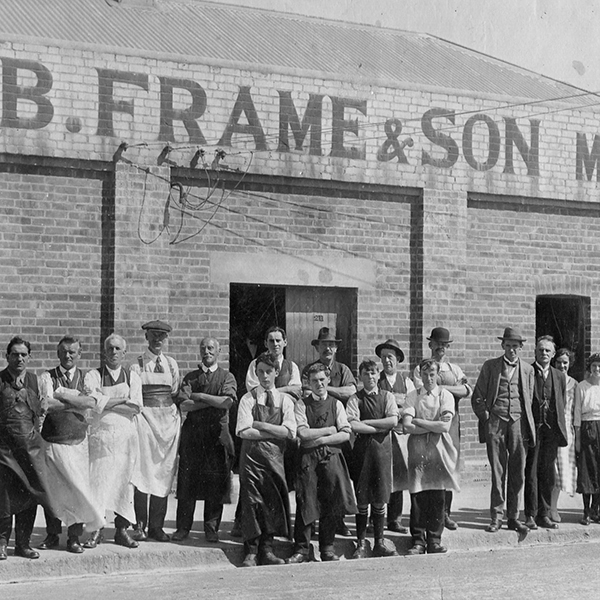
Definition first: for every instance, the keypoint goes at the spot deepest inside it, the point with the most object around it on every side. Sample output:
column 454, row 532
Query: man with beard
column 206, row 451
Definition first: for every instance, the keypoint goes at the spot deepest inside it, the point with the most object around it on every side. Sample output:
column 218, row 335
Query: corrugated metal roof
column 228, row 33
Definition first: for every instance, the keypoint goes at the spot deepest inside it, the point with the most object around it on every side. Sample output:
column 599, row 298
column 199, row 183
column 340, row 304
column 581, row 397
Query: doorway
column 567, row 319
column 301, row 311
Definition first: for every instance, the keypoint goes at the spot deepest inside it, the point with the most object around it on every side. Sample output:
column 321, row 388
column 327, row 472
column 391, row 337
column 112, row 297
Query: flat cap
column 157, row 326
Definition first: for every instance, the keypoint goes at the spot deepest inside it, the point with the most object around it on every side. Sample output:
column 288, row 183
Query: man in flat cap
column 341, row 385
column 159, row 427
column 502, row 401
column 392, row 380
column 452, row 379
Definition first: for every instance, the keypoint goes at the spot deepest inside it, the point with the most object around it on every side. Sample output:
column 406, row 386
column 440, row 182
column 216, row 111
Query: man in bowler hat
column 502, row 401
column 452, row 379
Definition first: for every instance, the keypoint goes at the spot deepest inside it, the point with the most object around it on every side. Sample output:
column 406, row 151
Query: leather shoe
column 585, row 520
column 74, row 546
column 139, row 533
column 211, row 536
column 159, row 535
column 180, row 535
column 494, row 526
column 52, row 541
column 249, row 561
column 380, row 550
column 329, row 556
column 436, row 548
column 516, row 525
column 362, row 549
column 95, row 538
column 416, row 549
column 268, row 558
column 530, row 523
column 297, row 558
column 26, row 552
column 397, row 527
column 450, row 524
column 3, row 555
column 546, row 523
column 122, row 538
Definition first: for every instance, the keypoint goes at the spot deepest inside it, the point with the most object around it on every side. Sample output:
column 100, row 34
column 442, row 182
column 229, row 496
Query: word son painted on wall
column 437, row 124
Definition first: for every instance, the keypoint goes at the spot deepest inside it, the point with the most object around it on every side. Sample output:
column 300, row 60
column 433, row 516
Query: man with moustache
column 502, row 401
column 67, row 452
column 23, row 475
column 549, row 399
column 206, row 451
column 452, row 379
column 159, row 427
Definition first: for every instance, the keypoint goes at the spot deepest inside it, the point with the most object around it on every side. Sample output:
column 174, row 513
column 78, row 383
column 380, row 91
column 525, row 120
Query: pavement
column 470, row 510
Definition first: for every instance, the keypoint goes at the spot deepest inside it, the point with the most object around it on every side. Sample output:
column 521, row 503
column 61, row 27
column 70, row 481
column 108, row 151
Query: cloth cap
column 157, row 326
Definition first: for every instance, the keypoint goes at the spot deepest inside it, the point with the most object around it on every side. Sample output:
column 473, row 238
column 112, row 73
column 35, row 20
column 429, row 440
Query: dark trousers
column 302, row 533
column 427, row 517
column 394, row 507
column 262, row 544
column 54, row 526
column 24, row 522
column 153, row 518
column 507, row 452
column 540, row 473
column 213, row 512
column 121, row 522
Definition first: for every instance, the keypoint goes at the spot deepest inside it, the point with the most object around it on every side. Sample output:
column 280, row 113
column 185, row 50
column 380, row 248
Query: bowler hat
column 157, row 326
column 325, row 335
column 390, row 344
column 441, row 335
column 512, row 335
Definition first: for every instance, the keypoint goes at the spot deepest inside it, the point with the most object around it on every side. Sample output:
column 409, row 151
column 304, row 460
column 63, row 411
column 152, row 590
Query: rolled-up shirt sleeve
column 92, row 386
column 244, row 416
column 341, row 419
column 289, row 417
column 352, row 410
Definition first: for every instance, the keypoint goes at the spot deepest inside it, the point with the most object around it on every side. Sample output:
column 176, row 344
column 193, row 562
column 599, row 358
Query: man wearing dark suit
column 549, row 415
column 502, row 401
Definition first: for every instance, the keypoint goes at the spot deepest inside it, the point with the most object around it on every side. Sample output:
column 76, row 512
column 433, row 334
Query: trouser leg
column 327, row 526
column 213, row 512
column 157, row 513
column 448, row 496
column 435, row 516
column 75, row 531
column 185, row 514
column 5, row 528
column 24, row 522
column 394, row 508
column 121, row 522
column 302, row 534
column 517, row 455
column 140, row 506
column 531, row 480
column 546, row 472
column 496, row 451
column 418, row 523
column 53, row 524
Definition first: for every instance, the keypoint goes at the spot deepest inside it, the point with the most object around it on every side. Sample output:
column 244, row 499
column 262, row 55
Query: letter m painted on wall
column 586, row 159
column 288, row 119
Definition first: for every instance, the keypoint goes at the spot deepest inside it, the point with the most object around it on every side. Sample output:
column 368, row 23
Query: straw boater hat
column 325, row 335
column 390, row 344
column 512, row 335
column 440, row 335
column 157, row 326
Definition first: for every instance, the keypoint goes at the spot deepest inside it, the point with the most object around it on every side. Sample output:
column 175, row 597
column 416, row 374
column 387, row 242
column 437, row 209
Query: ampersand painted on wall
column 392, row 148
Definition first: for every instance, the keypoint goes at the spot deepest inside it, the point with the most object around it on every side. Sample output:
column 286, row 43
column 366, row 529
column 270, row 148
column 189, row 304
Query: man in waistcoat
column 113, row 439
column 341, row 385
column 206, row 450
column 392, row 380
column 502, row 401
column 324, row 490
column 287, row 382
column 549, row 398
column 452, row 379
column 67, row 453
column 23, row 474
column 159, row 428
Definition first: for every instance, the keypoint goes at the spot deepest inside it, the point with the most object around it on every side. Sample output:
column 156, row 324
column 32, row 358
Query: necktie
column 158, row 368
column 270, row 399
column 68, row 378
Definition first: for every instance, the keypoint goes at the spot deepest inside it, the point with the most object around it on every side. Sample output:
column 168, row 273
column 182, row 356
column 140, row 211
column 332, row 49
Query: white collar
column 210, row 369
column 64, row 371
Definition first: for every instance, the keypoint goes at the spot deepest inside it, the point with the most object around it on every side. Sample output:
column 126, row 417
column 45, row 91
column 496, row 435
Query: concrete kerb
column 194, row 553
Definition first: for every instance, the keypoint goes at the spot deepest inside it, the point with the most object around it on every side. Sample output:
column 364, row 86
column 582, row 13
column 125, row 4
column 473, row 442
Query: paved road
column 548, row 572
